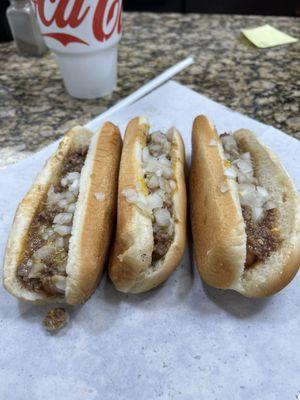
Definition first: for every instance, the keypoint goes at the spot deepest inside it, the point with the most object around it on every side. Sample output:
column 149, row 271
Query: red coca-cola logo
column 106, row 18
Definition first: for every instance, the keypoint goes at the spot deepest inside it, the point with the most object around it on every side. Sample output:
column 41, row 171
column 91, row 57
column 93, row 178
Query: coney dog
column 62, row 228
column 245, row 213
column 151, row 222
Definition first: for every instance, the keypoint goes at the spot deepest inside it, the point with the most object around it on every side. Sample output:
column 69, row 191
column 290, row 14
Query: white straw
column 142, row 91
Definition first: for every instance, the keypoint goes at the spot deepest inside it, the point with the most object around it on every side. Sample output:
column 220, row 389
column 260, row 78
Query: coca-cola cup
column 84, row 36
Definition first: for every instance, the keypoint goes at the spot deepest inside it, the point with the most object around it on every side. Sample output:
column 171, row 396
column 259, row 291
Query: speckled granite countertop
column 261, row 83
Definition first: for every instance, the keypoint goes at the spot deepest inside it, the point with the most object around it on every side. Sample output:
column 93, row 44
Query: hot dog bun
column 217, row 222
column 93, row 218
column 131, row 268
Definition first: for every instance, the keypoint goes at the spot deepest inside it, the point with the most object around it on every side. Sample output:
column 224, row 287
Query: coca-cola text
column 106, row 18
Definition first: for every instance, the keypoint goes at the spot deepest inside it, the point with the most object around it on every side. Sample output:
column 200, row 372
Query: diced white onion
column 63, row 204
column 167, row 147
column 155, row 148
column 59, row 282
column 167, row 173
column 246, row 187
column 151, row 165
column 161, row 193
column 253, row 198
column 153, row 182
column 162, row 217
column 164, row 185
column 62, row 230
column 157, row 137
column 36, row 270
column 246, row 157
column 146, row 203
column 72, row 176
column 48, row 232
column 63, row 218
column 154, row 201
column 270, row 205
column 262, row 192
column 163, row 160
column 244, row 178
column 249, row 198
column 230, row 173
column 74, row 187
column 257, row 213
column 52, row 197
column 59, row 243
column 228, row 142
column 170, row 230
column 29, row 263
column 245, row 166
column 71, row 208
column 64, row 182
column 43, row 252
column 70, row 197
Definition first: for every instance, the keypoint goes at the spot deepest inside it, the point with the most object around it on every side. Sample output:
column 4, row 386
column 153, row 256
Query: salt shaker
column 25, row 29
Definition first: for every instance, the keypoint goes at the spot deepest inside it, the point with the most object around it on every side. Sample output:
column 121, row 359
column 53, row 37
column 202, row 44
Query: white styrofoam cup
column 84, row 38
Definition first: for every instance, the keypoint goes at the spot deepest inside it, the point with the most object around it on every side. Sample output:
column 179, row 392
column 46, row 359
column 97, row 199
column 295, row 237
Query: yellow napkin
column 267, row 36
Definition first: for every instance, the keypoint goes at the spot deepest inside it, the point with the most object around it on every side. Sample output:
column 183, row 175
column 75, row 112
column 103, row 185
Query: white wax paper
column 183, row 340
